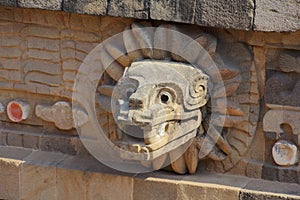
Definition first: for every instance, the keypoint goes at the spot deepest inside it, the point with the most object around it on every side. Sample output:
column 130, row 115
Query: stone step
column 33, row 174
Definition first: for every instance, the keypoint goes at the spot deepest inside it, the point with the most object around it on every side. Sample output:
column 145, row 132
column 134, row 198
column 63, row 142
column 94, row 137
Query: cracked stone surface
column 258, row 15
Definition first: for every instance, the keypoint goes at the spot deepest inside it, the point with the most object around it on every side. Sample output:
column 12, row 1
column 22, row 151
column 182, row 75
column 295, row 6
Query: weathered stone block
column 153, row 189
column 234, row 14
column 8, row 3
column 49, row 4
column 180, row 11
column 277, row 16
column 3, row 138
column 137, row 9
column 31, row 141
column 9, row 178
column 95, row 7
column 103, row 186
column 14, row 139
column 37, row 182
column 71, row 184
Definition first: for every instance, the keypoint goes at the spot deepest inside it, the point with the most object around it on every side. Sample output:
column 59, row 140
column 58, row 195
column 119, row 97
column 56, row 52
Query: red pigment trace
column 15, row 111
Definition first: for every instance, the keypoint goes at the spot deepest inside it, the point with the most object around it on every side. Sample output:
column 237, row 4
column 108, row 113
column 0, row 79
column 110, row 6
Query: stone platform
column 32, row 174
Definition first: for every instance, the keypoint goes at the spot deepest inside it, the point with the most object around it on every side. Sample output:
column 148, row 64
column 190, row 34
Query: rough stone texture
column 9, row 178
column 269, row 15
column 37, row 182
column 234, row 14
column 136, row 8
column 94, row 7
column 13, row 3
column 278, row 15
column 49, row 4
column 41, row 175
column 70, row 184
column 70, row 37
column 283, row 89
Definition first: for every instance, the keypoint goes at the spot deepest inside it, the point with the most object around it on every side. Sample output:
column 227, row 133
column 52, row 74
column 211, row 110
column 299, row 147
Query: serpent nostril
column 135, row 103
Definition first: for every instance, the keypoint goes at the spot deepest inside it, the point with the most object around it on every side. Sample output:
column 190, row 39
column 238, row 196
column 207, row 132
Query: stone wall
column 40, row 52
column 258, row 15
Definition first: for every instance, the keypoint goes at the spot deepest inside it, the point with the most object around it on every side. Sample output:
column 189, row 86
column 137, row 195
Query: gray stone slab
column 237, row 14
column 42, row 4
column 137, row 9
column 179, row 11
column 8, row 3
column 94, row 7
column 280, row 15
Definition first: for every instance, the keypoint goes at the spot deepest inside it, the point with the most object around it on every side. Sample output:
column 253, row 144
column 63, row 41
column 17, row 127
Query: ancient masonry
column 246, row 136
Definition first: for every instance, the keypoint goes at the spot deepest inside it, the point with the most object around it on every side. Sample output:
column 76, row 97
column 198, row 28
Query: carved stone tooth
column 157, row 163
column 191, row 157
column 118, row 54
column 178, row 163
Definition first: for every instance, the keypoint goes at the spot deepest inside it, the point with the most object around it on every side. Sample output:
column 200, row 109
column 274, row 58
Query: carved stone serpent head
column 159, row 105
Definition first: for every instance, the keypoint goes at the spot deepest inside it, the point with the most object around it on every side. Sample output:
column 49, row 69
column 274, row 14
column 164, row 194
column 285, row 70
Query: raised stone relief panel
column 281, row 121
column 220, row 119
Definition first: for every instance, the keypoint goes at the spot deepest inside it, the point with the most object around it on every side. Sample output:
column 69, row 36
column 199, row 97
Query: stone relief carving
column 281, row 96
column 17, row 110
column 220, row 145
column 61, row 113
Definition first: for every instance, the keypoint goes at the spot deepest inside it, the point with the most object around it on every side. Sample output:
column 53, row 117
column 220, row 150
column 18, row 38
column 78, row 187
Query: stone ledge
column 261, row 15
column 30, row 174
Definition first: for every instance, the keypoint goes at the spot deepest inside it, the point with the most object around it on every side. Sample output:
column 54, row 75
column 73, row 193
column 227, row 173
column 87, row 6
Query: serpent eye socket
column 166, row 96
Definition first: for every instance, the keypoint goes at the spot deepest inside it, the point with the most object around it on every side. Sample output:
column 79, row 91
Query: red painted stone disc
column 15, row 111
